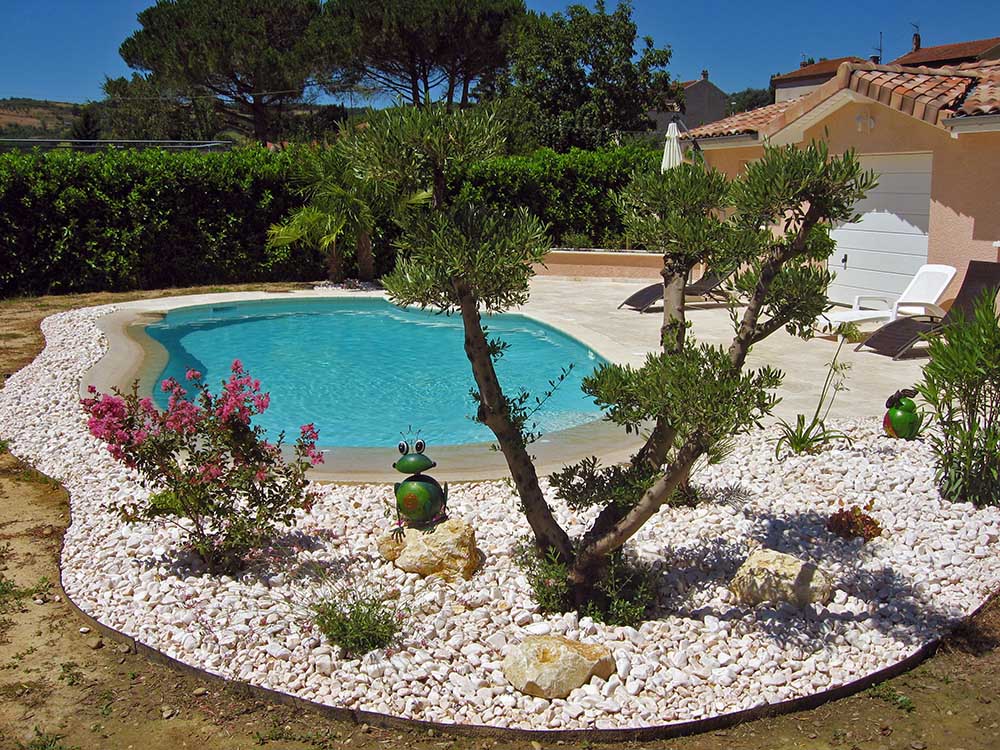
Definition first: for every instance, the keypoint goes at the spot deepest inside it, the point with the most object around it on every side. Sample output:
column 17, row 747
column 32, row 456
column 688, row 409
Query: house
column 807, row 78
column 950, row 54
column 933, row 135
column 703, row 102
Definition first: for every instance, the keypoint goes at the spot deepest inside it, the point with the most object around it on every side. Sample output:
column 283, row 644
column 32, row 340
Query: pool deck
column 583, row 308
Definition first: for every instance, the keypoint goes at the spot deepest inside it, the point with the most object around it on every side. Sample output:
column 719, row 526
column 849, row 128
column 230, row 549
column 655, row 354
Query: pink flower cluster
column 241, row 397
column 125, row 423
column 123, row 431
column 182, row 416
column 308, row 435
column 213, row 464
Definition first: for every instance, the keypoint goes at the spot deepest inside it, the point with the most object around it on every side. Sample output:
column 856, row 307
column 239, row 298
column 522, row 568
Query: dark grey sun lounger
column 897, row 338
column 707, row 286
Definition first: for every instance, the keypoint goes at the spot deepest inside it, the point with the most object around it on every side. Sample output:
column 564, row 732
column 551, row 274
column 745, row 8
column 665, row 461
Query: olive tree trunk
column 494, row 413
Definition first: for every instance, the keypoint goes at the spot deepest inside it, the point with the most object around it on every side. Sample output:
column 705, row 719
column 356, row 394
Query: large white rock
column 769, row 576
column 448, row 550
column 552, row 666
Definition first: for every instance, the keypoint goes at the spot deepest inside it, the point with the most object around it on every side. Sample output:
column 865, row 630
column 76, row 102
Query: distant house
column 949, row 54
column 808, row 77
column 933, row 135
column 703, row 102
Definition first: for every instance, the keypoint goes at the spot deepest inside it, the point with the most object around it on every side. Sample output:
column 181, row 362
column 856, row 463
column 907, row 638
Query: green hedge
column 118, row 220
column 122, row 219
column 573, row 192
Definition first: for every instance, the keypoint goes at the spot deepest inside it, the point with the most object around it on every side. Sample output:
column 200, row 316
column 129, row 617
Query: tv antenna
column 879, row 49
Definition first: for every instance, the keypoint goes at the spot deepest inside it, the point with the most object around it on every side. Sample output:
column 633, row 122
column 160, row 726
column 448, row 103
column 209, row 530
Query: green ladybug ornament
column 420, row 500
column 902, row 420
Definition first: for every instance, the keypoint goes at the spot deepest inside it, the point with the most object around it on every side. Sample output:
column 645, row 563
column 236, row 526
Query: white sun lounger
column 919, row 298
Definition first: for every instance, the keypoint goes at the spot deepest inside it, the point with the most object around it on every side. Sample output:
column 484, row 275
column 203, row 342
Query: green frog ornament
column 420, row 500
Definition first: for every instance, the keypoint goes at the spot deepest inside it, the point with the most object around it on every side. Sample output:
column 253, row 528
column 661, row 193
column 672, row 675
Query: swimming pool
column 364, row 370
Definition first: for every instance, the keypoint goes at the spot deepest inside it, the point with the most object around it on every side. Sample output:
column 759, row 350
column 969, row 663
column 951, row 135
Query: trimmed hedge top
column 574, row 193
column 125, row 219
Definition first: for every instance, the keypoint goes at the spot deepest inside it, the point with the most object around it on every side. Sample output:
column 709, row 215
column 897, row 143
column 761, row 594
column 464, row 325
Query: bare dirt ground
column 60, row 688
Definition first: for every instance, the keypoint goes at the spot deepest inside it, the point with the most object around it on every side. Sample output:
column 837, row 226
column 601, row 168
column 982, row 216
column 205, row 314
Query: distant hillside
column 35, row 118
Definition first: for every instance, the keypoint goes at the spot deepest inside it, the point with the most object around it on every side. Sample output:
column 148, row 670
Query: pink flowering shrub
column 210, row 465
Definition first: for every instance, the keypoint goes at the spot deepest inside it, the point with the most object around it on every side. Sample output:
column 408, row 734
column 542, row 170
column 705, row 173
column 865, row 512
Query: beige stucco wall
column 587, row 264
column 782, row 93
column 731, row 161
column 965, row 179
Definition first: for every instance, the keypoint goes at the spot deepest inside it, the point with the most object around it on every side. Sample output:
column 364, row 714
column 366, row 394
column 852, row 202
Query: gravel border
column 703, row 658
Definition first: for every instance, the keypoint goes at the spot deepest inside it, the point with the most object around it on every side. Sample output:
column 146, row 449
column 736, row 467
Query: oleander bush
column 574, row 193
column 961, row 386
column 211, row 471
column 124, row 219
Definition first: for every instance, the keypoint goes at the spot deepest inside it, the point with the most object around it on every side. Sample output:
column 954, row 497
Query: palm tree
column 343, row 203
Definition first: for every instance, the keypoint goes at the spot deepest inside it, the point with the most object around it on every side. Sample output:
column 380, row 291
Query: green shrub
column 622, row 596
column 962, row 387
column 210, row 465
column 577, row 240
column 574, row 193
column 124, row 219
column 358, row 622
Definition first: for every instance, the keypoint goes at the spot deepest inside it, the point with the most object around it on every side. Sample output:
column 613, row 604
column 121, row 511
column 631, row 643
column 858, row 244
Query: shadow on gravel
column 687, row 574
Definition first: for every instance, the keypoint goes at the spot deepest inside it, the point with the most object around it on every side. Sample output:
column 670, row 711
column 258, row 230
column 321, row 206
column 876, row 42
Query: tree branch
column 493, row 412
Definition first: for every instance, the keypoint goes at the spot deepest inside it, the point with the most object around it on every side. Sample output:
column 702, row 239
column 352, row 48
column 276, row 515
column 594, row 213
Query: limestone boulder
column 447, row 550
column 552, row 666
column 769, row 576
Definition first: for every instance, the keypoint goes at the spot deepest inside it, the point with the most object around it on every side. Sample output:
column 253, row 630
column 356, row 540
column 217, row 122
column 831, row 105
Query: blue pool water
column 365, row 370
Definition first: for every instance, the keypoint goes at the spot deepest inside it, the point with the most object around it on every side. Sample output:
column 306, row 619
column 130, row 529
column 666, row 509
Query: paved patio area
column 587, row 309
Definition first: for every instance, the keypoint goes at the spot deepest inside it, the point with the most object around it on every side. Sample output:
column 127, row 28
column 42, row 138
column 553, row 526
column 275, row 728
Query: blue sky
column 62, row 49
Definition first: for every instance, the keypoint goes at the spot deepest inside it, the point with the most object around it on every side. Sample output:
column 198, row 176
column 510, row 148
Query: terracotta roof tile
column 984, row 99
column 929, row 94
column 744, row 122
column 823, row 67
column 945, row 52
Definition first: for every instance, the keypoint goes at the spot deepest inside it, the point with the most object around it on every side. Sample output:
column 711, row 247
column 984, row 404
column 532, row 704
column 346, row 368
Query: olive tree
column 772, row 223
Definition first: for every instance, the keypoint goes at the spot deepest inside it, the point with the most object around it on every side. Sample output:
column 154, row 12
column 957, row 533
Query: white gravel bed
column 702, row 656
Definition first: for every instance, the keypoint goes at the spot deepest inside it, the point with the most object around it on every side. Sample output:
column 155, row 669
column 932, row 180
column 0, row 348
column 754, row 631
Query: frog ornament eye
column 419, row 446
column 403, row 448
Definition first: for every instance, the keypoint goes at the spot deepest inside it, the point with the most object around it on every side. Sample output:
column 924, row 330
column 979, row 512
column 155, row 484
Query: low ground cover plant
column 961, row 385
column 212, row 472
column 854, row 523
column 358, row 621
column 810, row 438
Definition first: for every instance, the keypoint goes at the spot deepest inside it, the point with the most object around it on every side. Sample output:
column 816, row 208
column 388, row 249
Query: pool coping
column 132, row 354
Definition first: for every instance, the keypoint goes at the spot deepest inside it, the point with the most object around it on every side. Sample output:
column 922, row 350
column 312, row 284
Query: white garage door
column 880, row 253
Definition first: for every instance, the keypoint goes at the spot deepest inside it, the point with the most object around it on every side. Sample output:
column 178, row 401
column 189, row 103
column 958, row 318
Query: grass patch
column 12, row 595
column 45, row 741
column 321, row 739
column 29, row 693
column 886, row 692
column 69, row 672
